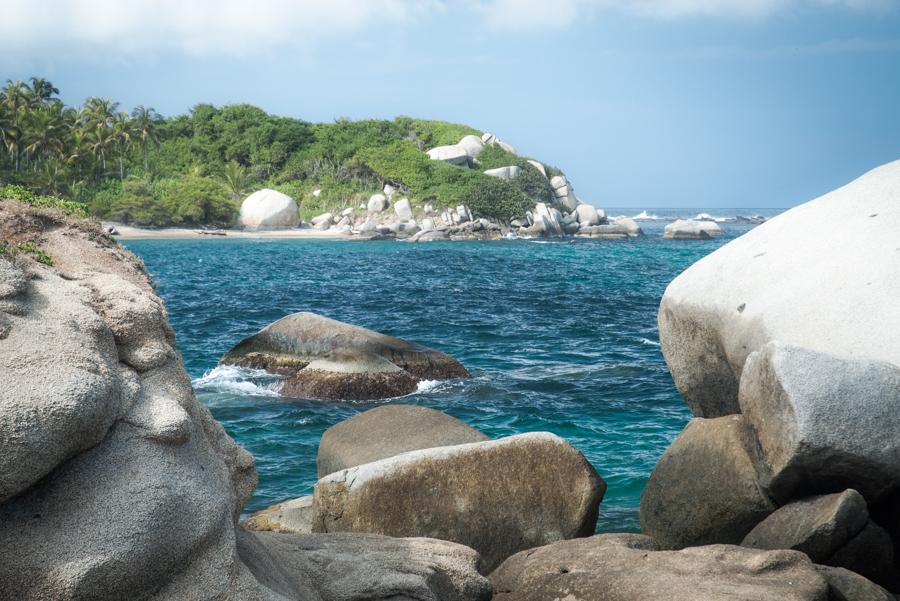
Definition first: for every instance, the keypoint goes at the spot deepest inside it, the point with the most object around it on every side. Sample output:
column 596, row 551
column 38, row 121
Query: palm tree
column 235, row 176
column 146, row 128
column 99, row 111
column 99, row 140
column 15, row 98
column 42, row 91
column 122, row 137
column 45, row 133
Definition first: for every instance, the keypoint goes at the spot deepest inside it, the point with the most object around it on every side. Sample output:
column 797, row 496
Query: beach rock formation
column 386, row 431
column 268, row 209
column 627, row 567
column 706, row 487
column 690, row 229
column 362, row 567
column 328, row 359
column 294, row 516
column 587, row 215
column 498, row 497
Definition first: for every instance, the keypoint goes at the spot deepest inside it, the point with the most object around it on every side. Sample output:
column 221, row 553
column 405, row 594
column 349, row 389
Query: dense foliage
column 194, row 169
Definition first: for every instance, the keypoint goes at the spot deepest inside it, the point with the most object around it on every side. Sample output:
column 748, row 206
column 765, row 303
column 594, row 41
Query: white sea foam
column 427, row 385
column 648, row 342
column 645, row 216
column 232, row 379
column 708, row 217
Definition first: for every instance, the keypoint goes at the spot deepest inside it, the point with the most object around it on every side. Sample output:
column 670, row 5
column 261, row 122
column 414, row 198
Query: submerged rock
column 498, row 497
column 626, row 567
column 387, row 431
column 269, row 209
column 328, row 359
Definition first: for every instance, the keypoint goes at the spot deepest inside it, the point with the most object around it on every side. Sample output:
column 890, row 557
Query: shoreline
column 127, row 232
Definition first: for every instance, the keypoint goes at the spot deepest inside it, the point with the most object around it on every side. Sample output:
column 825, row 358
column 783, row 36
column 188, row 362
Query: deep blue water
column 559, row 336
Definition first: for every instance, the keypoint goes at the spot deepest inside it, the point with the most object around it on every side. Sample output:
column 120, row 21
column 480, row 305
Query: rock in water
column 706, row 487
column 759, row 286
column 690, row 229
column 498, row 497
column 387, row 431
column 363, row 567
column 269, row 209
column 626, row 567
column 328, row 359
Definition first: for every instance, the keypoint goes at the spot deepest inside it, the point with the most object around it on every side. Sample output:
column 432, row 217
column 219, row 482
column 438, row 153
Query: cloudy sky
column 644, row 103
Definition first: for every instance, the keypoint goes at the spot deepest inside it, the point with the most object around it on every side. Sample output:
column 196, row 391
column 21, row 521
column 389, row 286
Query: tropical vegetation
column 139, row 167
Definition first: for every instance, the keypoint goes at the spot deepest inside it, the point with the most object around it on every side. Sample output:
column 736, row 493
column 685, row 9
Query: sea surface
column 560, row 336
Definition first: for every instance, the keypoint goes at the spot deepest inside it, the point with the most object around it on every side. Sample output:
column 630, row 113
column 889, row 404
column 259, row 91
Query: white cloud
column 196, row 27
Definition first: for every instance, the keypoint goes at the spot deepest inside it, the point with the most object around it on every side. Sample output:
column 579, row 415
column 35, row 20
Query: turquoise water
column 559, row 336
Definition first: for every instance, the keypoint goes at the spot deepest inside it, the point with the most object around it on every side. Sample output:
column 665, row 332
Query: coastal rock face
column 328, row 359
column 387, row 431
column 498, row 497
column 617, row 567
column 823, row 421
column 587, row 215
column 757, row 288
column 363, row 567
column 690, row 229
column 269, row 209
column 116, row 482
column 705, row 488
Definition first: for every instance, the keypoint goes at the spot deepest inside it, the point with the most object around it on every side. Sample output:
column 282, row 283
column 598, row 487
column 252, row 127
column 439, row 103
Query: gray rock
column 844, row 585
column 690, row 229
column 453, row 154
column 823, row 421
column 557, row 182
column 504, row 172
column 324, row 358
column 289, row 517
column 473, row 145
column 377, row 203
column 538, row 166
column 363, row 567
column 587, row 215
column 470, row 493
column 616, row 567
column 403, row 209
column 817, row 526
column 871, row 554
column 432, row 235
column 705, row 488
column 386, row 431
column 629, row 225
column 268, row 209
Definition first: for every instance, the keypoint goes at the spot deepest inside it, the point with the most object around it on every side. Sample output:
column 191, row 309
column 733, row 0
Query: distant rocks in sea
column 268, row 209
column 327, row 359
column 691, row 229
column 783, row 344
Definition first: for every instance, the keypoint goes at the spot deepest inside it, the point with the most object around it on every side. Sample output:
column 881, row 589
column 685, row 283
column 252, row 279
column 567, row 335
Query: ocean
column 560, row 336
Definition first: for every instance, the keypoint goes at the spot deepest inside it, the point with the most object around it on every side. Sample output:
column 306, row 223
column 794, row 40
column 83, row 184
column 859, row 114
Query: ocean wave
column 428, row 385
column 645, row 216
column 648, row 342
column 708, row 217
column 232, row 379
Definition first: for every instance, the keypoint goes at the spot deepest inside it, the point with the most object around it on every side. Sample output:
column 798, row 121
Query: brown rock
column 387, row 431
column 844, row 585
column 290, row 517
column 705, row 488
column 497, row 496
column 871, row 554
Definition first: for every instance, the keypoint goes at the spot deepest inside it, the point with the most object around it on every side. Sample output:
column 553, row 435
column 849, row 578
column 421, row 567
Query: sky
column 642, row 103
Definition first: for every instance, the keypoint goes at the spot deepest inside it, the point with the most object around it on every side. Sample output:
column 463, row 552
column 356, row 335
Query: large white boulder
column 403, row 209
column 538, row 166
column 822, row 276
column 377, row 203
column 587, row 215
column 504, row 172
column 629, row 225
column 473, row 145
column 453, row 154
column 691, row 229
column 269, row 209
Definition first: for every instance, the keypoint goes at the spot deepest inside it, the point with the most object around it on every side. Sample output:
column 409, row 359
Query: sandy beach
column 127, row 232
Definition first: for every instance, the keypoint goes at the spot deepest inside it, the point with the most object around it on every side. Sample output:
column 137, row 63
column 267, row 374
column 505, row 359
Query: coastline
column 127, row 232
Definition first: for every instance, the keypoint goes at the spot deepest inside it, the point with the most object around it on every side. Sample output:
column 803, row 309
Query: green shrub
column 195, row 200
column 22, row 194
column 497, row 198
column 434, row 133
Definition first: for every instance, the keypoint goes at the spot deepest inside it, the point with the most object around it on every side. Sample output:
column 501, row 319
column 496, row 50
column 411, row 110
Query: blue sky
column 644, row 103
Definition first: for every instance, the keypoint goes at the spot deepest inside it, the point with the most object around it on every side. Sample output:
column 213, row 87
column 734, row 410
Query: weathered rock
column 463, row 214
column 547, row 220
column 473, row 145
column 817, row 526
column 509, row 172
column 368, row 226
column 387, row 431
column 616, row 567
column 363, row 567
column 757, row 288
column 557, row 182
column 844, row 585
column 538, row 166
column 348, row 212
column 289, row 517
column 705, row 488
column 470, row 493
column 403, row 209
column 324, row 358
column 823, row 421
column 269, row 209
column 117, row 483
column 690, row 229
column 629, row 225
column 587, row 215
column 431, row 235
column 453, row 154
column 427, row 225
column 389, row 190
column 604, row 232
column 871, row 554
column 377, row 203
column 568, row 202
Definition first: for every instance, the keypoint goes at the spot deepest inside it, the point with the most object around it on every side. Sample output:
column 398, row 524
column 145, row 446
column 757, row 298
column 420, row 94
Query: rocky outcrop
column 473, row 145
column 498, row 497
column 539, row 166
column 617, row 567
column 706, row 487
column 629, row 225
column 294, row 516
column 844, row 585
column 563, row 193
column 363, row 567
column 690, row 229
column 268, row 209
column 403, row 210
column 453, row 154
column 377, row 203
column 587, row 215
column 328, row 359
column 386, row 431
column 509, row 172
